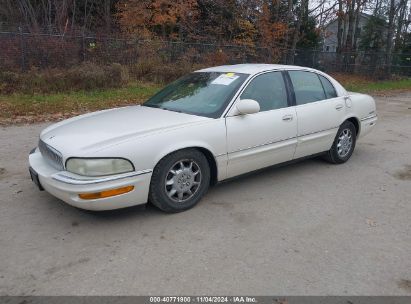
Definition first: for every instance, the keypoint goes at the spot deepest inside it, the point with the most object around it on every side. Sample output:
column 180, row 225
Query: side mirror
column 247, row 106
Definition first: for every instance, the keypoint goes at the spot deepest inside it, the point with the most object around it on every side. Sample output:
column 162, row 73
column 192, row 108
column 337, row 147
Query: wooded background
column 173, row 36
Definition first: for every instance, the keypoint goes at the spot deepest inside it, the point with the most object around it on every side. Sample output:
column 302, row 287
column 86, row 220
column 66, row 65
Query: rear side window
column 328, row 87
column 268, row 90
column 307, row 87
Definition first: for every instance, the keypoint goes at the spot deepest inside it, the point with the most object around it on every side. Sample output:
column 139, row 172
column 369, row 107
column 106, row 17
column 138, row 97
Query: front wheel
column 343, row 145
column 179, row 180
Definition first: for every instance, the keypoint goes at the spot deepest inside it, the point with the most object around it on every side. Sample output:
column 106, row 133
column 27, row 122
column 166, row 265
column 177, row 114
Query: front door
column 265, row 138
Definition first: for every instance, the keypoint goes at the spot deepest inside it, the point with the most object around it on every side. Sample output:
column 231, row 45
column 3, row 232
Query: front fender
column 146, row 151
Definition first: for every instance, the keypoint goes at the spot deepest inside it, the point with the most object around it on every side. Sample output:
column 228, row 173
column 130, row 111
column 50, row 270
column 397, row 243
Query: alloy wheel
column 183, row 180
column 344, row 143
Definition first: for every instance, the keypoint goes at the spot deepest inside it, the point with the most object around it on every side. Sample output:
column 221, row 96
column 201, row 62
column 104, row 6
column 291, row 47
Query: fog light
column 107, row 193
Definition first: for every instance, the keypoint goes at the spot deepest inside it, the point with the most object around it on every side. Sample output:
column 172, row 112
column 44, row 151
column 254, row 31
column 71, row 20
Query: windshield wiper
column 150, row 106
column 163, row 108
column 173, row 110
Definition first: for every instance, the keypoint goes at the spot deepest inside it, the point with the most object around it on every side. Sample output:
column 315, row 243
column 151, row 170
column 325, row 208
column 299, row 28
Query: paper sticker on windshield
column 225, row 79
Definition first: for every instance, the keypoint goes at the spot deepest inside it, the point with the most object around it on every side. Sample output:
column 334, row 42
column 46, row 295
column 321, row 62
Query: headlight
column 98, row 166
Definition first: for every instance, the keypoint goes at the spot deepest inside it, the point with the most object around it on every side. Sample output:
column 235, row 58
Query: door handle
column 339, row 107
column 287, row 117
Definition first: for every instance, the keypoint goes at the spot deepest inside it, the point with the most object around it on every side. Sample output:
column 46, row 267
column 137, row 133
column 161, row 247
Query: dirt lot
column 308, row 228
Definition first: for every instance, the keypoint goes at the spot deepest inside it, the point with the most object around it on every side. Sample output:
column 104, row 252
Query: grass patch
column 26, row 108
column 362, row 84
column 85, row 76
column 402, row 84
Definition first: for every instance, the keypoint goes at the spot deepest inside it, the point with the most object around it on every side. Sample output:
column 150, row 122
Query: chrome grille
column 51, row 155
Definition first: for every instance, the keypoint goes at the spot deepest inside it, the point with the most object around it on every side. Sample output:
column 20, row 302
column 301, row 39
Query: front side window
column 201, row 93
column 307, row 87
column 268, row 90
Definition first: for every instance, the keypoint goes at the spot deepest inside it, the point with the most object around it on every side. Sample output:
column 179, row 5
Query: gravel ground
column 309, row 228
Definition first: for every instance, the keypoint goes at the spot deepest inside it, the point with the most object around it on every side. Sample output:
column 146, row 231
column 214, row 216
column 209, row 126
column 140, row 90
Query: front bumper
column 67, row 186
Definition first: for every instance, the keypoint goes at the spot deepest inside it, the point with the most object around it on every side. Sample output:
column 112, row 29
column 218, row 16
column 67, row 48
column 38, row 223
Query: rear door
column 265, row 138
column 319, row 112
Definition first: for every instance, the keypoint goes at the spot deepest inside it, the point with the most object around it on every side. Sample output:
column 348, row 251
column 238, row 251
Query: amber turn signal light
column 107, row 193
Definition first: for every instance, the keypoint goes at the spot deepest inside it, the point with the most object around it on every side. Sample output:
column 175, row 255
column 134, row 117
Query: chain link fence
column 20, row 51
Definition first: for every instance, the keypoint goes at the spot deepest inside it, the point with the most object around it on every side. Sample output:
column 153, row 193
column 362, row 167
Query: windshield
column 202, row 93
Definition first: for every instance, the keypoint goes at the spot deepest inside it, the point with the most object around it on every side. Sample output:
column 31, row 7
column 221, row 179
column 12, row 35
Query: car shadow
column 146, row 210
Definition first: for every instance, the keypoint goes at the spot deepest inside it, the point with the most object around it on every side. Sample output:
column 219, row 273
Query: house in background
column 330, row 32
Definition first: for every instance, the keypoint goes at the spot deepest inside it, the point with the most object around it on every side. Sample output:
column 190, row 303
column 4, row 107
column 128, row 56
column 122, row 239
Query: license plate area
column 35, row 178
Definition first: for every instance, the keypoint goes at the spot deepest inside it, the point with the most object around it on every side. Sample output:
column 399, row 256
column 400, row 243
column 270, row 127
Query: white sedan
column 207, row 126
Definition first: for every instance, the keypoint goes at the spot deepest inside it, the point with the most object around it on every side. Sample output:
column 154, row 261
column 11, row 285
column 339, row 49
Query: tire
column 343, row 145
column 184, row 171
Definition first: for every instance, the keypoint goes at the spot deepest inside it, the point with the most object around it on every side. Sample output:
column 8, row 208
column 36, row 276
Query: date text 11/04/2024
column 203, row 299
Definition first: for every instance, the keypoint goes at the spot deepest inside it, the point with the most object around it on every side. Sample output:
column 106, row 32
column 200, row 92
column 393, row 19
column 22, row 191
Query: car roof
column 252, row 68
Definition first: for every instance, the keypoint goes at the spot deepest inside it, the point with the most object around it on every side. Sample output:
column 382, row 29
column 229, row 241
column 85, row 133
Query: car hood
column 94, row 131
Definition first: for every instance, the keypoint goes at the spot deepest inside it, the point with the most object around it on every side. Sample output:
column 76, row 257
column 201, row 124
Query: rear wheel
column 179, row 180
column 343, row 145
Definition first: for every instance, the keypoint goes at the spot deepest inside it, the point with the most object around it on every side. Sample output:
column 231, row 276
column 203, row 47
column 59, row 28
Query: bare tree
column 340, row 16
column 351, row 20
column 392, row 28
column 401, row 22
column 303, row 11
column 358, row 11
